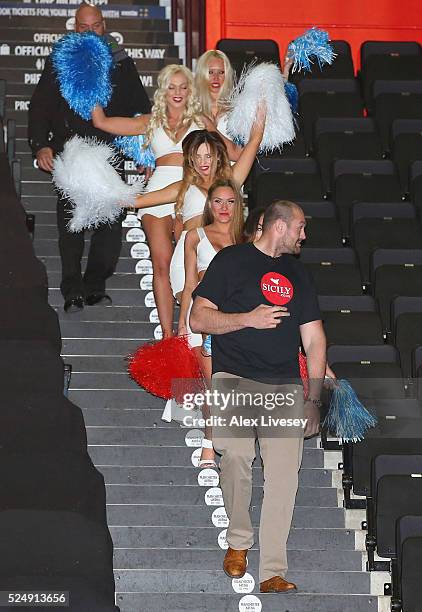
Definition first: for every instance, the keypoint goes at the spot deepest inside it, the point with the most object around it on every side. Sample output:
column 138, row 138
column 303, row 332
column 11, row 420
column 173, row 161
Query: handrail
column 11, row 139
column 2, row 137
column 193, row 14
column 2, row 114
column 17, row 176
column 2, row 99
column 174, row 15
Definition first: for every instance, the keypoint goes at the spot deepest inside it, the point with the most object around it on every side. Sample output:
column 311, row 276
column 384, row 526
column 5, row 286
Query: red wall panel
column 353, row 20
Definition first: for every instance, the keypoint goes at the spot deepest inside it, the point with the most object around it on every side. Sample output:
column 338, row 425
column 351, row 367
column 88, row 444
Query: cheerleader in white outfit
column 176, row 112
column 214, row 78
column 205, row 159
column 222, row 225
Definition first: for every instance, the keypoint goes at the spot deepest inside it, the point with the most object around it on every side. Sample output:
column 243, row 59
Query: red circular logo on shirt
column 276, row 288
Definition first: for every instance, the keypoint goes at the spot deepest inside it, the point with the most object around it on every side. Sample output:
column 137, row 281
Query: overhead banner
column 44, row 50
column 56, row 9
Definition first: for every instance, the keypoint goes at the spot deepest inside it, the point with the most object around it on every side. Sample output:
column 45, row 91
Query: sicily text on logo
column 276, row 288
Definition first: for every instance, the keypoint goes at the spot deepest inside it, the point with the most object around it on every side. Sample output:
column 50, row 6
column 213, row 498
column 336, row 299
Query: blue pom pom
column 206, row 345
column 83, row 63
column 239, row 141
column 292, row 96
column 314, row 43
column 347, row 418
column 133, row 147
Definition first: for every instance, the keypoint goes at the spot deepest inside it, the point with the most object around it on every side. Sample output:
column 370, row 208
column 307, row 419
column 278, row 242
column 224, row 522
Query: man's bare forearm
column 316, row 361
column 212, row 321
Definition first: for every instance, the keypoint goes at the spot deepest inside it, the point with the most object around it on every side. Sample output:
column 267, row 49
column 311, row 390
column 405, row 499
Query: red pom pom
column 303, row 368
column 167, row 368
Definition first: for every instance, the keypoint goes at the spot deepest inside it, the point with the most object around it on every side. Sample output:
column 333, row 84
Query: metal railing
column 192, row 12
column 2, row 99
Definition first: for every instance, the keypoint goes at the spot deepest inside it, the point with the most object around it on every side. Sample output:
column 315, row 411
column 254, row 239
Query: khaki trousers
column 282, row 457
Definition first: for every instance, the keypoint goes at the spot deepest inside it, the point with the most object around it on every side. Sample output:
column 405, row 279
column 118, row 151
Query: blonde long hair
column 202, row 81
column 191, row 113
column 237, row 220
column 221, row 168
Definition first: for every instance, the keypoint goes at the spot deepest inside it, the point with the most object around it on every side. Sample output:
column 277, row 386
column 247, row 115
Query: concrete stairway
column 167, row 524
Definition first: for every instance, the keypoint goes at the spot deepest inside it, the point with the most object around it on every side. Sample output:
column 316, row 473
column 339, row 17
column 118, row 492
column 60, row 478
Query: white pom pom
column 261, row 83
column 84, row 173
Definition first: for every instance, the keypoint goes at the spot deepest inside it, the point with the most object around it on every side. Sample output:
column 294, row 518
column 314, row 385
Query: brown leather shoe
column 235, row 563
column 276, row 584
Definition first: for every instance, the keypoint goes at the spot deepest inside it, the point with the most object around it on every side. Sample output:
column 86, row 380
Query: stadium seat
column 351, row 320
column 417, row 370
column 395, row 408
column 272, row 162
column 407, row 586
column 388, row 48
column 242, row 52
column 23, row 272
column 387, row 437
column 363, row 181
column 406, row 147
column 322, row 233
column 390, row 60
column 338, row 139
column 394, row 492
column 418, row 380
column 395, row 100
column 322, row 227
column 417, row 362
column 335, row 271
column 42, row 324
column 60, row 480
column 395, row 272
column 383, row 226
column 58, row 547
column 341, row 68
column 397, row 495
column 374, row 371
column 327, row 98
column 40, row 422
column 295, row 179
column 415, row 179
column 322, row 209
column 406, row 320
column 30, row 366
column 295, row 150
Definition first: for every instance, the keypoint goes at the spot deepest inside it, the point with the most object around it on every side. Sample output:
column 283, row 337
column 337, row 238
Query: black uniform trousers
column 103, row 254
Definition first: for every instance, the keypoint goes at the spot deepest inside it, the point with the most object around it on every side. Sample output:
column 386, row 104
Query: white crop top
column 205, row 252
column 162, row 144
column 193, row 203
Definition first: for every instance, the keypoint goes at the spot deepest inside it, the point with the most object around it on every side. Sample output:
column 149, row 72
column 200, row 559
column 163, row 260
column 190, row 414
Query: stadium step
column 146, row 514
column 184, row 475
column 204, row 602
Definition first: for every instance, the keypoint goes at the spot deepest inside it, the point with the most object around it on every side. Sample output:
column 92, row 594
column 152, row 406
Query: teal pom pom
column 83, row 64
column 206, row 345
column 292, row 96
column 347, row 418
column 314, row 43
column 133, row 147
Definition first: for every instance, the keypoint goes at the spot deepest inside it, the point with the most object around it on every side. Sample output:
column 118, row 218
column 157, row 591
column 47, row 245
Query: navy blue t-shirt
column 239, row 279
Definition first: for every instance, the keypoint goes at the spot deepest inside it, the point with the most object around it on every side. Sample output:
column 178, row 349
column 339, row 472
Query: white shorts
column 193, row 339
column 161, row 177
column 177, row 266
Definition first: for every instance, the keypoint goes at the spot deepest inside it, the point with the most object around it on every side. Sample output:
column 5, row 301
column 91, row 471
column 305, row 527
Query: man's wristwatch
column 316, row 402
